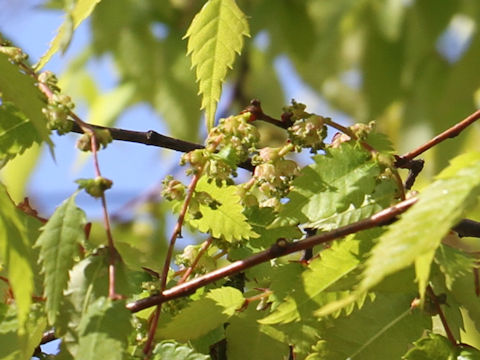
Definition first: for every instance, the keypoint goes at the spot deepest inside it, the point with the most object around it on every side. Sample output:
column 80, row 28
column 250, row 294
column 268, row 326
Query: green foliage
column 19, row 89
column 332, row 184
column 104, row 330
column 395, row 286
column 79, row 11
column 175, row 351
column 59, row 243
column 215, row 35
column 203, row 315
column 17, row 133
column 226, row 220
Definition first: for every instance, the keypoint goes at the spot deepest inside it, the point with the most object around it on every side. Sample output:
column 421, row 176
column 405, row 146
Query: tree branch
column 281, row 248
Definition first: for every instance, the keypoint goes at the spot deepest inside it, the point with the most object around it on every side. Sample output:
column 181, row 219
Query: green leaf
column 453, row 263
column 59, row 244
column 17, row 346
column 433, row 346
column 227, row 220
column 306, row 293
column 337, row 179
column 174, row 351
column 16, row 255
column 104, row 331
column 20, row 89
column 202, row 316
column 421, row 229
column 17, row 133
column 381, row 329
column 215, row 35
column 81, row 10
column 381, row 198
column 247, row 339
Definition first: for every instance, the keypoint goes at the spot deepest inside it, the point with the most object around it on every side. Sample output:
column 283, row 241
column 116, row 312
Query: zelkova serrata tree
column 332, row 260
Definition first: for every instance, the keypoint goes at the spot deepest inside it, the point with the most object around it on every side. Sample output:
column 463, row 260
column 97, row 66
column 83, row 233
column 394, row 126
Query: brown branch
column 447, row 134
column 152, row 138
column 281, row 248
column 441, row 314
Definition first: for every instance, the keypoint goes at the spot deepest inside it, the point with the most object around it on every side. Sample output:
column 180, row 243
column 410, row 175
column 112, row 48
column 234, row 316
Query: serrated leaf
column 204, row 315
column 174, row 351
column 20, row 89
column 334, row 263
column 227, row 220
column 421, row 229
column 214, row 36
column 59, row 244
column 337, row 179
column 17, row 133
column 433, row 346
column 247, row 339
column 16, row 255
column 104, row 331
column 381, row 198
column 81, row 10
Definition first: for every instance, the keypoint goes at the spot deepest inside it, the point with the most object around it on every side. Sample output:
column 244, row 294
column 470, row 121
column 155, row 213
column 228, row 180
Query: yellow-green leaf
column 82, row 10
column 215, row 35
column 227, row 220
column 58, row 245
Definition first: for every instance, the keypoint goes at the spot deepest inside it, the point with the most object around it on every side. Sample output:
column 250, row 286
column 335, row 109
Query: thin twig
column 202, row 250
column 166, row 265
column 279, row 249
column 447, row 134
column 441, row 314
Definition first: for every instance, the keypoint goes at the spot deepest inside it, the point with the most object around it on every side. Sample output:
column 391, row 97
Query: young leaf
column 227, row 220
column 17, row 133
column 215, row 35
column 81, row 10
column 203, row 315
column 337, row 179
column 20, row 89
column 174, row 351
column 58, row 245
column 104, row 331
column 16, row 255
column 453, row 263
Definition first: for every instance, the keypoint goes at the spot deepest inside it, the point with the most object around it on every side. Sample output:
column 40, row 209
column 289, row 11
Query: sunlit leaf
column 214, row 36
column 433, row 346
column 174, row 351
column 104, row 331
column 82, row 9
column 227, row 220
column 19, row 89
column 16, row 255
column 203, row 315
column 59, row 244
column 336, row 180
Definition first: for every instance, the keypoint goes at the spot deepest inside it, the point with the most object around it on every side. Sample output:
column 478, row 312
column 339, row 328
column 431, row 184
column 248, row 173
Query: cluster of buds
column 309, row 133
column 95, row 187
column 190, row 253
column 274, row 174
column 57, row 111
column 102, row 138
column 173, row 189
column 227, row 145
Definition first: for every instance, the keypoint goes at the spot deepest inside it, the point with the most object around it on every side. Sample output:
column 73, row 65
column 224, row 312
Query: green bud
column 95, row 187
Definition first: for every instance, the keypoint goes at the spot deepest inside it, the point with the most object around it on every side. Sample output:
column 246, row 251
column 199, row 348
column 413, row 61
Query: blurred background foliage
column 410, row 65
